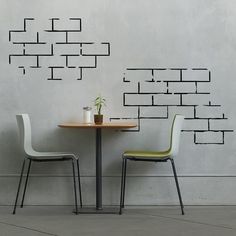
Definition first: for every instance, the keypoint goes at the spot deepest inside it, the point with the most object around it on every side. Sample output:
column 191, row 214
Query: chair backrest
column 24, row 126
column 175, row 134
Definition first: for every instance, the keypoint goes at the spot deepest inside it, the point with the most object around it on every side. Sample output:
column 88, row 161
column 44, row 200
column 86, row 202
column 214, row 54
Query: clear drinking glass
column 87, row 115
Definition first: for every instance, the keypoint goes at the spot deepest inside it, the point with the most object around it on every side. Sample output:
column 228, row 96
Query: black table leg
column 99, row 208
column 99, row 169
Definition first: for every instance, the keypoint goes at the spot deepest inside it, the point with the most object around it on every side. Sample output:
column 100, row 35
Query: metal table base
column 93, row 210
column 99, row 209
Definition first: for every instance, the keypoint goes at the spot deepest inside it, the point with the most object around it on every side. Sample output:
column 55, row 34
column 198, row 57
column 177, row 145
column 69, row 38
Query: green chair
column 155, row 156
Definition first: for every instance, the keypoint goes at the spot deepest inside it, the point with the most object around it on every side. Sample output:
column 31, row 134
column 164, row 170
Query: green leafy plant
column 99, row 102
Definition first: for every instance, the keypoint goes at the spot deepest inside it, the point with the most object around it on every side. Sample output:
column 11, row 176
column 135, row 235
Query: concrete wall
column 149, row 59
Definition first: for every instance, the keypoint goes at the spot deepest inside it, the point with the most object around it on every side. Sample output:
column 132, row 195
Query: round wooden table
column 98, row 128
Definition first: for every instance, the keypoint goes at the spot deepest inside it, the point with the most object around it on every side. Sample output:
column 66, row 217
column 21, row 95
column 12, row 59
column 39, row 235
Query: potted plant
column 99, row 102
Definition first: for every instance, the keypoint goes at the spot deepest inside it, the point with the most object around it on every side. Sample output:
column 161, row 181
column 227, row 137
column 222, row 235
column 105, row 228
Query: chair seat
column 147, row 154
column 51, row 155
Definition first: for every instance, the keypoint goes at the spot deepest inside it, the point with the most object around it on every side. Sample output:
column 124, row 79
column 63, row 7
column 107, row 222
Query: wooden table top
column 106, row 125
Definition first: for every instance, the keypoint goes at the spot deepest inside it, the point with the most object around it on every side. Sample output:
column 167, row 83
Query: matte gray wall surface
column 142, row 34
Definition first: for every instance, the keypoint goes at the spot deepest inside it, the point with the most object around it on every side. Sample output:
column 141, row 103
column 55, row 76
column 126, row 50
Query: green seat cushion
column 146, row 154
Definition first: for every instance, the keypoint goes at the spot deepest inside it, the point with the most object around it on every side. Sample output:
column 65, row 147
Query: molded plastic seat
column 155, row 156
column 43, row 155
column 24, row 126
column 147, row 154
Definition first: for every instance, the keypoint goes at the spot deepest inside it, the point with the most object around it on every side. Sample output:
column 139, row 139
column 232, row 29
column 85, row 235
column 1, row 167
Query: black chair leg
column 122, row 186
column 123, row 199
column 80, row 191
column 177, row 186
column 75, row 191
column 18, row 189
column 26, row 182
column 124, row 167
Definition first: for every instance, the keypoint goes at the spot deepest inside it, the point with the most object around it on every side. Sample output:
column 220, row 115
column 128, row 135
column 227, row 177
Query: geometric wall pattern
column 158, row 93
column 59, row 49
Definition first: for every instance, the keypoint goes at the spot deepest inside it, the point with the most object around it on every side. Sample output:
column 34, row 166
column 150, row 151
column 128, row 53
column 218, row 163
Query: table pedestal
column 99, row 169
column 99, row 208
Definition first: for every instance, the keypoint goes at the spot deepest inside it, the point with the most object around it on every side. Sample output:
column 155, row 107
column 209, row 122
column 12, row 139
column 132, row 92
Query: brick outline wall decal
column 80, row 49
column 167, row 88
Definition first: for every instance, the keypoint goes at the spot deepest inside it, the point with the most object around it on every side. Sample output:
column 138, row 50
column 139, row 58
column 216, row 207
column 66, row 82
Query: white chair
column 31, row 155
column 156, row 156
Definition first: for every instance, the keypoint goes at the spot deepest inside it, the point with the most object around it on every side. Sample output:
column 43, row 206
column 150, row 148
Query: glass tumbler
column 87, row 115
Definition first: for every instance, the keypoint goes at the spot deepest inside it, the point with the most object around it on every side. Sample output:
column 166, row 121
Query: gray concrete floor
column 138, row 221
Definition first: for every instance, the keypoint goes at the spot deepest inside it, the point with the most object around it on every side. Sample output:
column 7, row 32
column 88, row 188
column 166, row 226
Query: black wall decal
column 67, row 55
column 158, row 93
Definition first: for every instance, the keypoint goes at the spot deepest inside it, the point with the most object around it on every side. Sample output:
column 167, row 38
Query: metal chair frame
column 123, row 179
